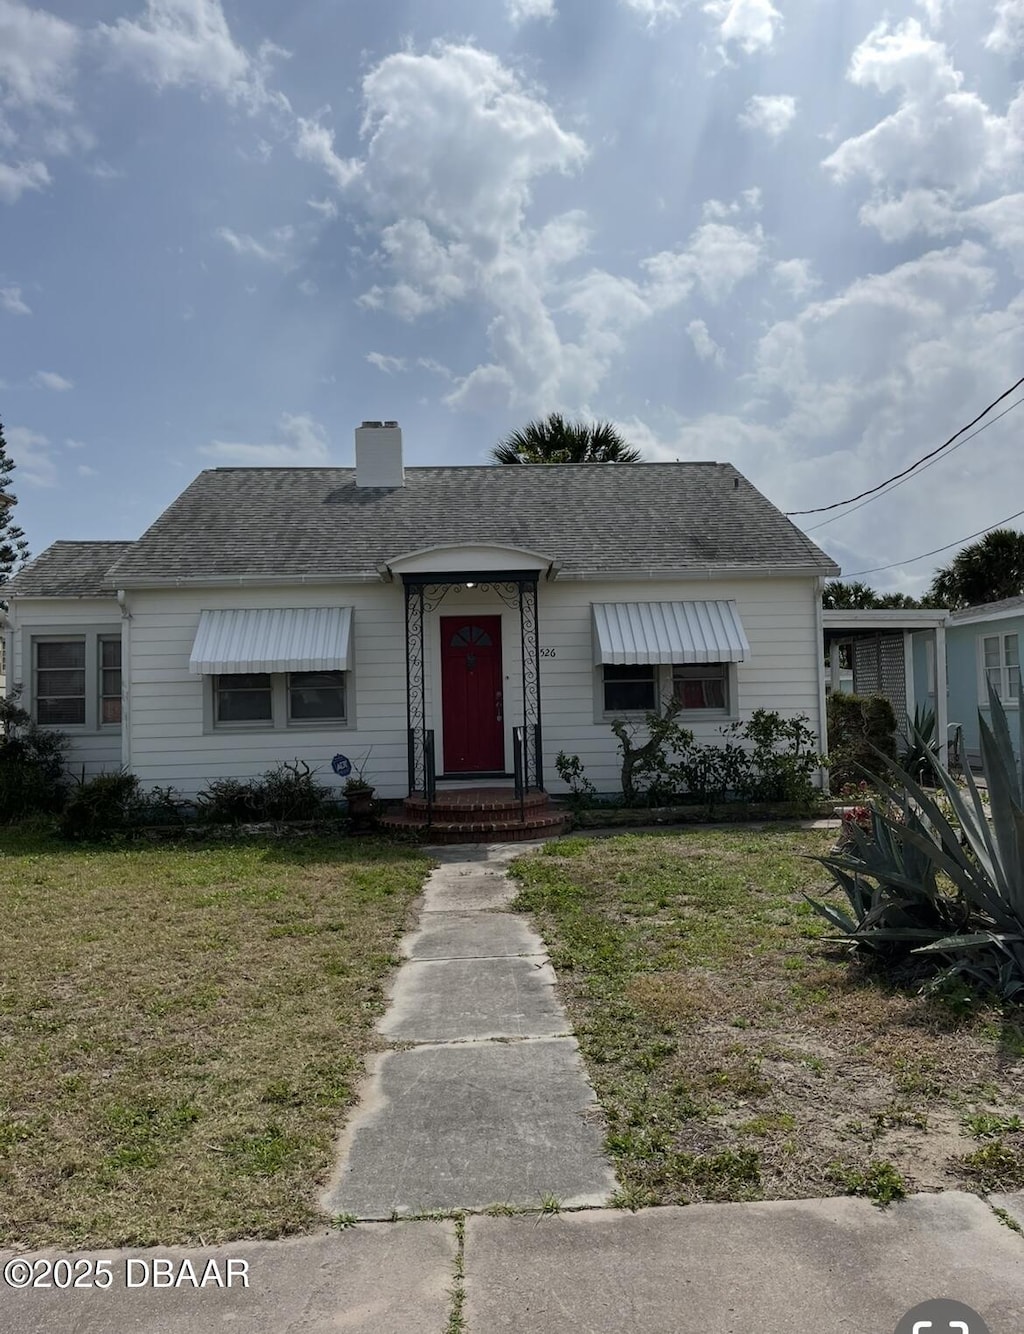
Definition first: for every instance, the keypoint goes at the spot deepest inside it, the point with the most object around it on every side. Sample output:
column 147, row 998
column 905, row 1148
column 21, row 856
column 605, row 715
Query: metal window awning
column 668, row 632
column 279, row 639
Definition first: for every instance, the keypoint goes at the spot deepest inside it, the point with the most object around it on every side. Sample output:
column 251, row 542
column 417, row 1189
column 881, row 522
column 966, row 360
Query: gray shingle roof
column 281, row 522
column 68, row 570
column 1004, row 604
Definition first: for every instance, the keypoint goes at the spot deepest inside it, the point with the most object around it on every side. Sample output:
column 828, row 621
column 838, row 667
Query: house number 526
column 547, row 653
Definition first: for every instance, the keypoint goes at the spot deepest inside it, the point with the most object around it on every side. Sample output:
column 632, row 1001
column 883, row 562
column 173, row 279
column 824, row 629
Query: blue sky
column 788, row 234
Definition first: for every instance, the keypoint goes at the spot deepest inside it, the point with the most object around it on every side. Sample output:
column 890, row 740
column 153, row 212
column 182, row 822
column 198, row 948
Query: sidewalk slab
column 373, row 1279
column 472, row 935
column 840, row 1265
column 450, row 889
column 456, row 1000
column 466, row 1126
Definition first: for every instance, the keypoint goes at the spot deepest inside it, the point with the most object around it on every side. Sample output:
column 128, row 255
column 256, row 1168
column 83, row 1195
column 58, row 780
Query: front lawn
column 738, row 1055
column 182, row 1031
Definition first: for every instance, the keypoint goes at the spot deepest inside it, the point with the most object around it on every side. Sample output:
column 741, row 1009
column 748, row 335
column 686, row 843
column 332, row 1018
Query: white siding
column 91, row 752
column 778, row 616
column 169, row 744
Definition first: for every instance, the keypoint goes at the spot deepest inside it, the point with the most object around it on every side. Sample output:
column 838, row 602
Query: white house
column 463, row 622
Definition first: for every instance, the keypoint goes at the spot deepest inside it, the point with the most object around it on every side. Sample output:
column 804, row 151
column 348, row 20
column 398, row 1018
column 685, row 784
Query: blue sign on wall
column 341, row 765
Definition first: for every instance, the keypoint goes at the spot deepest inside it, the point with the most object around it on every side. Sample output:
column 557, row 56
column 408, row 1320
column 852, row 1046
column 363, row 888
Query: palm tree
column 555, row 440
column 986, row 571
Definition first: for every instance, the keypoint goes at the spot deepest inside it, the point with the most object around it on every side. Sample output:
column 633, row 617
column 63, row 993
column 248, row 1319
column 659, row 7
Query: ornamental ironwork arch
column 517, row 589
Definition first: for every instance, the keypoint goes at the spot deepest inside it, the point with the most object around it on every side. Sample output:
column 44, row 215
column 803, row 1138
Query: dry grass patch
column 181, row 1031
column 739, row 1055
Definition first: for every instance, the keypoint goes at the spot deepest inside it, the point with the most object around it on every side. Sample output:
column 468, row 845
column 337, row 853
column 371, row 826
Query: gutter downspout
column 819, row 628
column 126, row 670
column 941, row 702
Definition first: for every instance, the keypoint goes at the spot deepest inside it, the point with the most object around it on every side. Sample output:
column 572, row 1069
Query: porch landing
column 479, row 815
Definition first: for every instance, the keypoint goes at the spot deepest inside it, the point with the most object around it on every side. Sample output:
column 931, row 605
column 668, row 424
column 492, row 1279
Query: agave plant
column 976, row 920
column 921, row 745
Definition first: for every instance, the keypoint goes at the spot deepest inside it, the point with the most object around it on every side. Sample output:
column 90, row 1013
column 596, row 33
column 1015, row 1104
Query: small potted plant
column 359, row 792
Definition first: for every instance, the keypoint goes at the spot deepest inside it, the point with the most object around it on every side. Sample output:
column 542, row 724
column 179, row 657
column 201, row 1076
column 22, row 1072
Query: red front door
column 471, row 694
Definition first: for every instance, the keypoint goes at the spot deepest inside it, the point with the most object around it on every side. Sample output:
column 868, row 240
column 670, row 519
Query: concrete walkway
column 486, row 1101
column 836, row 1266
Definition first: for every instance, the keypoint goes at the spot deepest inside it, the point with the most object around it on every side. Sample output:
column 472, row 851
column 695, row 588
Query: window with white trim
column 110, row 681
column 76, row 680
column 1000, row 667
column 60, row 692
column 631, row 688
column 279, row 699
column 701, row 687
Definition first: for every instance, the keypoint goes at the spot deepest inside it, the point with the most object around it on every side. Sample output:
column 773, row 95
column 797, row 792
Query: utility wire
column 821, row 509
column 911, row 559
column 924, row 467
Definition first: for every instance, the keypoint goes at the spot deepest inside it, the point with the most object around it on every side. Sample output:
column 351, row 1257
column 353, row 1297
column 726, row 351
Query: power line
column 924, row 468
column 821, row 509
column 911, row 559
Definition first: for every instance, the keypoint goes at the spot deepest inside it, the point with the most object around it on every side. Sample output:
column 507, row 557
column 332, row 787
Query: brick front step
column 467, row 804
column 479, row 831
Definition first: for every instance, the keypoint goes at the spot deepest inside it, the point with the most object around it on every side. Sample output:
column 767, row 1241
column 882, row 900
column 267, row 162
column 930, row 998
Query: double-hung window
column 1000, row 662
column 701, row 687
column 279, row 699
column 76, row 680
column 60, row 692
column 630, row 689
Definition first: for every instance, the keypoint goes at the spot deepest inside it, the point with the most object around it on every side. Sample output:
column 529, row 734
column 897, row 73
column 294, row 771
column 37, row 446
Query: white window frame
column 280, row 719
column 92, row 637
column 727, row 674
column 663, row 692
column 1006, row 699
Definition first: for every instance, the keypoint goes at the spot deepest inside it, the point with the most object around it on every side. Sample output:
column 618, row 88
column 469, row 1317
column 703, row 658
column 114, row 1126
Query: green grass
column 182, row 1031
column 736, row 1052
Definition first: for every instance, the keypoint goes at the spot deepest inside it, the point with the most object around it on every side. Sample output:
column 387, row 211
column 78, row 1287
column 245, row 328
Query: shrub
column 286, row 792
column 974, row 929
column 291, row 792
column 100, row 807
column 768, row 758
column 32, row 765
column 861, row 736
column 920, row 747
column 570, row 770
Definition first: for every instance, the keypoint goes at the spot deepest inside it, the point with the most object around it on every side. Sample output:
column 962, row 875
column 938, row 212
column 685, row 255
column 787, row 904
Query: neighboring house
column 472, row 621
column 934, row 659
column 982, row 644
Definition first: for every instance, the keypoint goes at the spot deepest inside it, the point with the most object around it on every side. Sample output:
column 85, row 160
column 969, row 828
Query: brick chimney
column 379, row 455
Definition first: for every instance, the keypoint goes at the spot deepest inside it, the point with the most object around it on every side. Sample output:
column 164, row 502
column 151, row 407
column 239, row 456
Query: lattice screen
column 878, row 669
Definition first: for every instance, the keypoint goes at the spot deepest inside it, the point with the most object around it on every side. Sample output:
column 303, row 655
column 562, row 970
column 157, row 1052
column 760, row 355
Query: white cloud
column 302, row 443
column 1007, row 35
column 940, row 136
column 315, row 143
column 703, row 344
column 31, row 454
column 796, row 276
column 182, row 43
column 934, row 11
column 13, row 302
column 278, row 249
column 84, row 470
column 51, row 380
column 37, row 57
column 772, row 115
column 15, row 180
column 389, row 365
column 70, row 443
column 327, row 208
column 519, row 11
column 308, row 287
column 653, row 10
column 750, row 24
